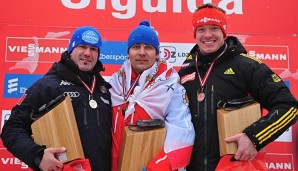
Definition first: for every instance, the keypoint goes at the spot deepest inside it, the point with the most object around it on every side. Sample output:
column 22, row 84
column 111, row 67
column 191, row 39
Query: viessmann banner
column 34, row 33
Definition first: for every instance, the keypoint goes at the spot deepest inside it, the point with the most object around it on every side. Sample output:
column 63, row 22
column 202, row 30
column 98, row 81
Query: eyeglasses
column 146, row 47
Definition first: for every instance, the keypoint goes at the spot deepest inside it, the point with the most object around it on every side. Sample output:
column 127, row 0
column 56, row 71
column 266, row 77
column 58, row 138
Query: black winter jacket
column 94, row 124
column 234, row 75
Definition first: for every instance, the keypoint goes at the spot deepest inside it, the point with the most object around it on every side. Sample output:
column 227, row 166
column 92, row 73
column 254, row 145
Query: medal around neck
column 201, row 96
column 93, row 104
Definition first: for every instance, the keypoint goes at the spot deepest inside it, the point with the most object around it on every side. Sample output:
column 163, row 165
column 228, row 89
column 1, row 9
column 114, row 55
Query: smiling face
column 209, row 38
column 85, row 57
column 142, row 57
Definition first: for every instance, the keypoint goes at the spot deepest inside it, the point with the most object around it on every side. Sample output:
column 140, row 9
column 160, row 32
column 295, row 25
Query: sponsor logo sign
column 175, row 53
column 116, row 52
column 280, row 162
column 15, row 85
column 128, row 10
column 9, row 162
column 286, row 136
column 26, row 49
column 276, row 57
column 5, row 117
column 113, row 53
column 189, row 77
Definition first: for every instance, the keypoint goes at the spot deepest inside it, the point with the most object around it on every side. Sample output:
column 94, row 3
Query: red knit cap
column 210, row 16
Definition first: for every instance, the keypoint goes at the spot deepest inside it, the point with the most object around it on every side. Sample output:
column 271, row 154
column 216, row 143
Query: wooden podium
column 58, row 128
column 234, row 122
column 139, row 148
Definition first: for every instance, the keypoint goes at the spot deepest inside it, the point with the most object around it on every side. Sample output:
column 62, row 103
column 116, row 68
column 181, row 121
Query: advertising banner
column 34, row 33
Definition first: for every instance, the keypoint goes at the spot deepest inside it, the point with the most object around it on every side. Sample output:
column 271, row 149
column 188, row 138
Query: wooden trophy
column 58, row 128
column 234, row 122
column 139, row 147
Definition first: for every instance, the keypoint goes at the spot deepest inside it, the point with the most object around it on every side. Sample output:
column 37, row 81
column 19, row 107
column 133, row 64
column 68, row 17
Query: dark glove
column 235, row 103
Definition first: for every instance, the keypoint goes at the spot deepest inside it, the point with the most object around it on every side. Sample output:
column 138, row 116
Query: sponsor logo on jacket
column 188, row 77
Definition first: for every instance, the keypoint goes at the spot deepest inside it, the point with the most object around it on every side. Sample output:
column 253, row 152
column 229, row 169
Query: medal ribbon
column 126, row 95
column 91, row 90
column 203, row 81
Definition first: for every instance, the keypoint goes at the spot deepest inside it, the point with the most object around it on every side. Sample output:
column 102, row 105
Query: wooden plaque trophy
column 233, row 122
column 58, row 128
column 139, row 148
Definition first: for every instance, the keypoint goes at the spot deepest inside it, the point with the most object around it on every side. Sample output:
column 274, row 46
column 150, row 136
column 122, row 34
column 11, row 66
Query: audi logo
column 72, row 94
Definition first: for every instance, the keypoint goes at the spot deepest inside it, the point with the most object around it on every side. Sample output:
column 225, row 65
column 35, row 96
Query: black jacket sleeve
column 16, row 133
column 274, row 96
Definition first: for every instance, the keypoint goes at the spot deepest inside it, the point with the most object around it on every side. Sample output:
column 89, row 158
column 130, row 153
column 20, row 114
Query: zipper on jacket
column 198, row 108
column 97, row 113
column 212, row 100
column 205, row 130
column 85, row 114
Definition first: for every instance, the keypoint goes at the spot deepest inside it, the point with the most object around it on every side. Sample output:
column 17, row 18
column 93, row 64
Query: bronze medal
column 201, row 96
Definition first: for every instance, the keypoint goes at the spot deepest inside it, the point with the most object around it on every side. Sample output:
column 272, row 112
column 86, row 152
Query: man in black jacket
column 76, row 75
column 218, row 69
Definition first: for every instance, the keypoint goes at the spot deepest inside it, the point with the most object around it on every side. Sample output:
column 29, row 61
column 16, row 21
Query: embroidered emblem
column 275, row 78
column 189, row 77
column 185, row 97
column 105, row 101
column 71, row 93
column 65, row 82
column 90, row 36
column 103, row 89
column 189, row 57
column 229, row 71
column 170, row 87
column 185, row 65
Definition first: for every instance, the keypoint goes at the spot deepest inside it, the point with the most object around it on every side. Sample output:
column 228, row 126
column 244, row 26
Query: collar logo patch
column 189, row 77
column 103, row 89
column 65, row 82
column 229, row 72
column 185, row 65
column 275, row 78
column 189, row 57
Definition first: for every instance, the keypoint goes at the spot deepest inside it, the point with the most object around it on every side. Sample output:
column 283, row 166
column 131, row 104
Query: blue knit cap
column 85, row 35
column 143, row 34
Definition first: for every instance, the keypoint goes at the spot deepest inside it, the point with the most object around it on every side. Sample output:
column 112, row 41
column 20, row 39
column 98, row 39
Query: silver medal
column 93, row 104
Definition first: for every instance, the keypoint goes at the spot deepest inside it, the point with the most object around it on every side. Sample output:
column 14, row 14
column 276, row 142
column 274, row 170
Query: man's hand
column 49, row 161
column 246, row 150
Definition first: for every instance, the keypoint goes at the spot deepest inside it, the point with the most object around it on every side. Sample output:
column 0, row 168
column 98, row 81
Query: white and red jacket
column 158, row 95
